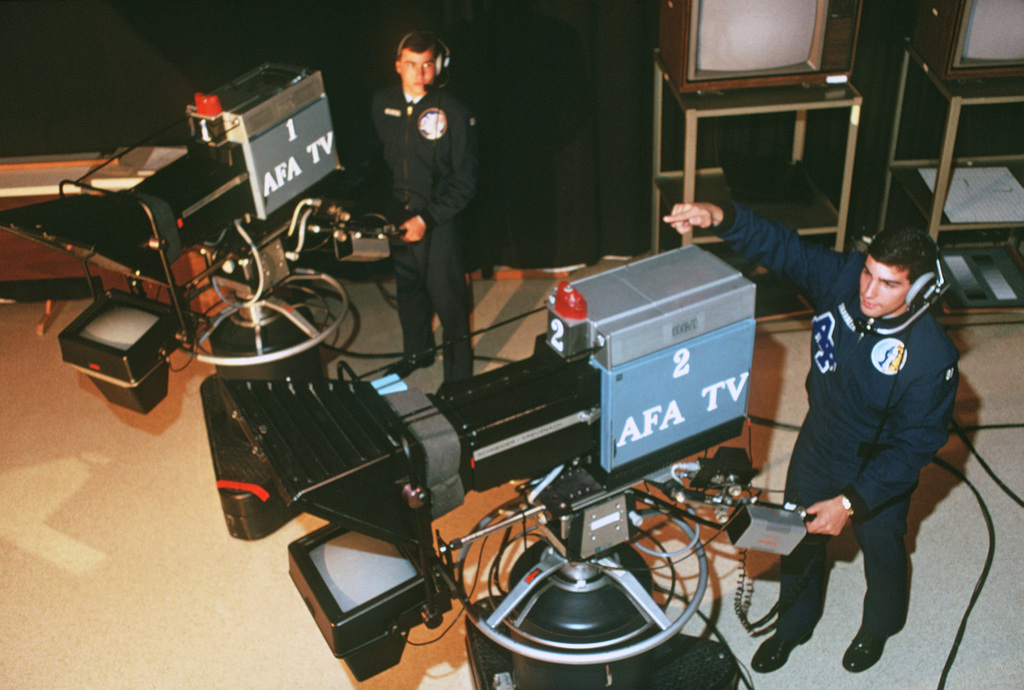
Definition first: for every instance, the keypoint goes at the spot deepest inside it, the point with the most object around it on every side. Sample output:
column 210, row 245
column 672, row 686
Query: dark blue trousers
column 430, row 277
column 882, row 541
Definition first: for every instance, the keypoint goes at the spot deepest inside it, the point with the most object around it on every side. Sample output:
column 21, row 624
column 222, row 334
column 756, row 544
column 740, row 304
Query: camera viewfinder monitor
column 121, row 342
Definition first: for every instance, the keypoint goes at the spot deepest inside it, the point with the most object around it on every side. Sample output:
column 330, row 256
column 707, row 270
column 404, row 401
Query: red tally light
column 569, row 303
column 208, row 105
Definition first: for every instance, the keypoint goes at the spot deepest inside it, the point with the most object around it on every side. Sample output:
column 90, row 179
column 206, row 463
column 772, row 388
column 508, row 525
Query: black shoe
column 407, row 365
column 863, row 652
column 773, row 653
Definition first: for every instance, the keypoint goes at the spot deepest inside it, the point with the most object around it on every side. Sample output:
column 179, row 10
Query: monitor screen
column 357, row 568
column 119, row 326
column 994, row 32
column 758, row 36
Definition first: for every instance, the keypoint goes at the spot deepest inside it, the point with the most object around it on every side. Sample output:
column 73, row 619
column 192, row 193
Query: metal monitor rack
column 820, row 217
column 906, row 172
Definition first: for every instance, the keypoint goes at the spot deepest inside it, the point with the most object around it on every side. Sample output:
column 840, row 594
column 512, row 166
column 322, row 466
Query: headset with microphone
column 923, row 293
column 442, row 56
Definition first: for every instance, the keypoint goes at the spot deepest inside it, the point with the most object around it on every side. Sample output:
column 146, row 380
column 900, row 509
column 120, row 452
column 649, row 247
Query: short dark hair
column 417, row 42
column 907, row 248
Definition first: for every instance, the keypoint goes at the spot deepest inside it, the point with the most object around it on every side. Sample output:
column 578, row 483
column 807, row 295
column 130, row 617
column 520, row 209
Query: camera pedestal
column 682, row 662
column 589, row 623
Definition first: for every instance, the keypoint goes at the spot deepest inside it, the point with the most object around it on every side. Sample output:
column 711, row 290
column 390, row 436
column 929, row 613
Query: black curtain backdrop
column 562, row 89
column 564, row 93
column 884, row 32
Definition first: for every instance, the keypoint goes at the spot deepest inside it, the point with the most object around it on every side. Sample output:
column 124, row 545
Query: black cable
column 988, row 427
column 750, row 441
column 476, row 574
column 183, row 367
column 396, row 355
column 984, row 571
column 974, row 451
column 742, row 598
column 116, row 155
column 494, row 573
column 744, row 673
column 499, row 360
column 448, row 343
column 780, row 605
column 444, row 632
column 362, row 355
column 670, row 593
column 772, row 423
column 494, row 326
column 670, row 563
column 675, row 579
column 390, row 299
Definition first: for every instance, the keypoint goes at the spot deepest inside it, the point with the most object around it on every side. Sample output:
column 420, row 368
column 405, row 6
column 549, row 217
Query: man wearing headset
column 428, row 141
column 880, row 390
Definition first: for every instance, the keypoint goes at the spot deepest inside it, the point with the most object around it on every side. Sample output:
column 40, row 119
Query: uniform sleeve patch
column 822, row 328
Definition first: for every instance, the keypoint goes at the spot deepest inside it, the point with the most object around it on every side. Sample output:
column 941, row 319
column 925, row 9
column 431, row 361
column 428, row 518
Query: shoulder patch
column 433, row 123
column 888, row 356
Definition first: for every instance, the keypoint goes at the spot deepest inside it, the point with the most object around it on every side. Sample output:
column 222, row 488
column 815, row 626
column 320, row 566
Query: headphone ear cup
column 442, row 58
column 918, row 289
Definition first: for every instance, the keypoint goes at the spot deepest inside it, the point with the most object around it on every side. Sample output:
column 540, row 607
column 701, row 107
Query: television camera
column 243, row 202
column 639, row 367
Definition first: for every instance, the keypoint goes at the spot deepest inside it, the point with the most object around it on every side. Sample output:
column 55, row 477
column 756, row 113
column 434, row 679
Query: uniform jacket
column 898, row 389
column 431, row 150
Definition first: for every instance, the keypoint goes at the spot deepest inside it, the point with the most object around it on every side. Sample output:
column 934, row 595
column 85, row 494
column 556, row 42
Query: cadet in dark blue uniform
column 880, row 390
column 428, row 140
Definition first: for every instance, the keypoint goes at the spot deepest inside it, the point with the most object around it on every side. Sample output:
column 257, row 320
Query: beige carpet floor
column 117, row 570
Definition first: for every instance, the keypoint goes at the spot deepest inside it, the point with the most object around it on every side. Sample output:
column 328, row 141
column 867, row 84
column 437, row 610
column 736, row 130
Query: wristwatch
column 846, row 504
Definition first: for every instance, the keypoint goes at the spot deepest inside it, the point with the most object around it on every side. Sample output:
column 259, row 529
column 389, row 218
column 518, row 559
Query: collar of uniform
column 888, row 322
column 847, row 318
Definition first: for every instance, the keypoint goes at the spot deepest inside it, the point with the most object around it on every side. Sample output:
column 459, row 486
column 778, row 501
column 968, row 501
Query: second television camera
column 640, row 367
